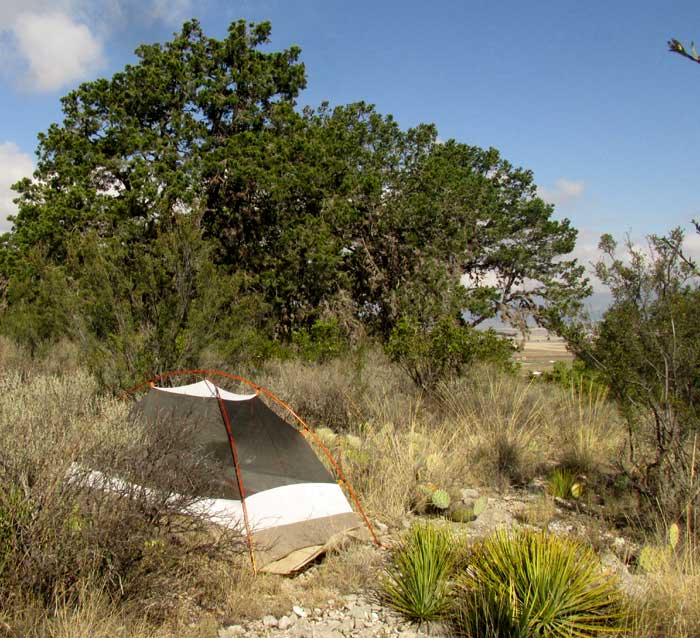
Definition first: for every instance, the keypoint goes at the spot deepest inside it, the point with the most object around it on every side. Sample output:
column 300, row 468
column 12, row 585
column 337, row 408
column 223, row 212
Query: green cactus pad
column 462, row 515
column 674, row 535
column 440, row 499
column 480, row 505
column 652, row 559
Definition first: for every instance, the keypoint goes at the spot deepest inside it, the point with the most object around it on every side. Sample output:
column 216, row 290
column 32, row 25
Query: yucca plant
column 562, row 483
column 417, row 581
column 547, row 585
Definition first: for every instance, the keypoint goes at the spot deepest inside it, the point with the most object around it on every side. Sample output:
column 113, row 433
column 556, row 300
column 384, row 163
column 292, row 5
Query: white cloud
column 171, row 11
column 57, row 50
column 52, row 44
column 14, row 165
column 565, row 191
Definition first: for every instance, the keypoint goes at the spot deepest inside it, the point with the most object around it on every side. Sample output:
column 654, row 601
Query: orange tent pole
column 241, row 489
column 276, row 399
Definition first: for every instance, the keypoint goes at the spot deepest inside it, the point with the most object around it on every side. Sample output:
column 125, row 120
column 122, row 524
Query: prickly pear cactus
column 674, row 535
column 480, row 505
column 652, row 559
column 576, row 490
column 462, row 515
column 440, row 499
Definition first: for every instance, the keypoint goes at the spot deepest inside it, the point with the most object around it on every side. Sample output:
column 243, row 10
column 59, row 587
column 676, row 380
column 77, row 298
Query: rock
column 360, row 612
column 270, row 621
column 302, row 629
column 286, row 622
column 299, row 611
column 468, row 494
column 347, row 625
column 231, row 631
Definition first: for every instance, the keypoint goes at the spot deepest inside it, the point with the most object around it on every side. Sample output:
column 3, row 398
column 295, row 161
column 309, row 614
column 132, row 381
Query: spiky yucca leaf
column 561, row 483
column 554, row 586
column 416, row 582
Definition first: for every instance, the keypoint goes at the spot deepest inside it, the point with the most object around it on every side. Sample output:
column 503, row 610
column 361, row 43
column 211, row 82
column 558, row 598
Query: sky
column 585, row 94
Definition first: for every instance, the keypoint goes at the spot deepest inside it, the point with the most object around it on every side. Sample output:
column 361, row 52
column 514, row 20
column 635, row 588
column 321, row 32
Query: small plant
column 416, row 582
column 462, row 515
column 546, row 585
column 440, row 500
column 562, row 484
column 654, row 558
column 480, row 505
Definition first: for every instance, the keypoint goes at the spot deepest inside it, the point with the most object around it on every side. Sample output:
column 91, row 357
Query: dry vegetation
column 73, row 563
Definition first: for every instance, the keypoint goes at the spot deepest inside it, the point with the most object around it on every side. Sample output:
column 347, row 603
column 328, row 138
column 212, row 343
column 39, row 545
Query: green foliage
column 186, row 207
column 488, row 613
column 654, row 558
column 561, row 482
column 574, row 375
column 15, row 515
column 674, row 535
column 480, row 505
column 646, row 350
column 416, row 582
column 462, row 515
column 432, row 354
column 546, row 585
column 322, row 342
column 440, row 499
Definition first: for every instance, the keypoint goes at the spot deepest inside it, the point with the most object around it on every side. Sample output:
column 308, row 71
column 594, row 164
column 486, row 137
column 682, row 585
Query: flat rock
column 299, row 611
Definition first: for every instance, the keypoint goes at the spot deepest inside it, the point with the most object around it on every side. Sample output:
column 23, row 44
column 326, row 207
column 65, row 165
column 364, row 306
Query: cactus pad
column 480, row 505
column 440, row 499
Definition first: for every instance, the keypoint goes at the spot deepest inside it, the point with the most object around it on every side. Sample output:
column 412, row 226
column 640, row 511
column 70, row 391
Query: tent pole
column 317, row 440
column 239, row 479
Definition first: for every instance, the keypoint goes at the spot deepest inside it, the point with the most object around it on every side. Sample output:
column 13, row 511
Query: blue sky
column 584, row 94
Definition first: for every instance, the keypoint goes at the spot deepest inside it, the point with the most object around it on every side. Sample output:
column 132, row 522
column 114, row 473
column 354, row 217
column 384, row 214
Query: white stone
column 299, row 611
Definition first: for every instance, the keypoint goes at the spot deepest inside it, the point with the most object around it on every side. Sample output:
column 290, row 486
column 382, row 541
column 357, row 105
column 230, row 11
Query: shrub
column 58, row 531
column 416, row 582
column 447, row 349
column 546, row 585
column 562, row 483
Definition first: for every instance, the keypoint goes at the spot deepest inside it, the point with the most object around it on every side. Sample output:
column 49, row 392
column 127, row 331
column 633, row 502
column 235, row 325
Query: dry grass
column 670, row 603
column 591, row 435
column 488, row 429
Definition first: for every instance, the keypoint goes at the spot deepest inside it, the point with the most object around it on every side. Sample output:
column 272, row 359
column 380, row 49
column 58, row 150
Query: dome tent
column 268, row 479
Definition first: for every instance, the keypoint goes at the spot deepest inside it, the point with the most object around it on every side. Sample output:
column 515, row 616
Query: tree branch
column 676, row 47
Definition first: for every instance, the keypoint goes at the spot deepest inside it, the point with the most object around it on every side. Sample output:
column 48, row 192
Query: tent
column 269, row 481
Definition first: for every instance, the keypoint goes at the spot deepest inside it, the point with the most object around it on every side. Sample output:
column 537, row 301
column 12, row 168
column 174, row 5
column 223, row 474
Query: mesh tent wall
column 267, row 479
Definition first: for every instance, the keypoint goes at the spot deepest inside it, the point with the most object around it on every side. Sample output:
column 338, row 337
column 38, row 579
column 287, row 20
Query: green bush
column 444, row 350
column 416, row 582
column 541, row 584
